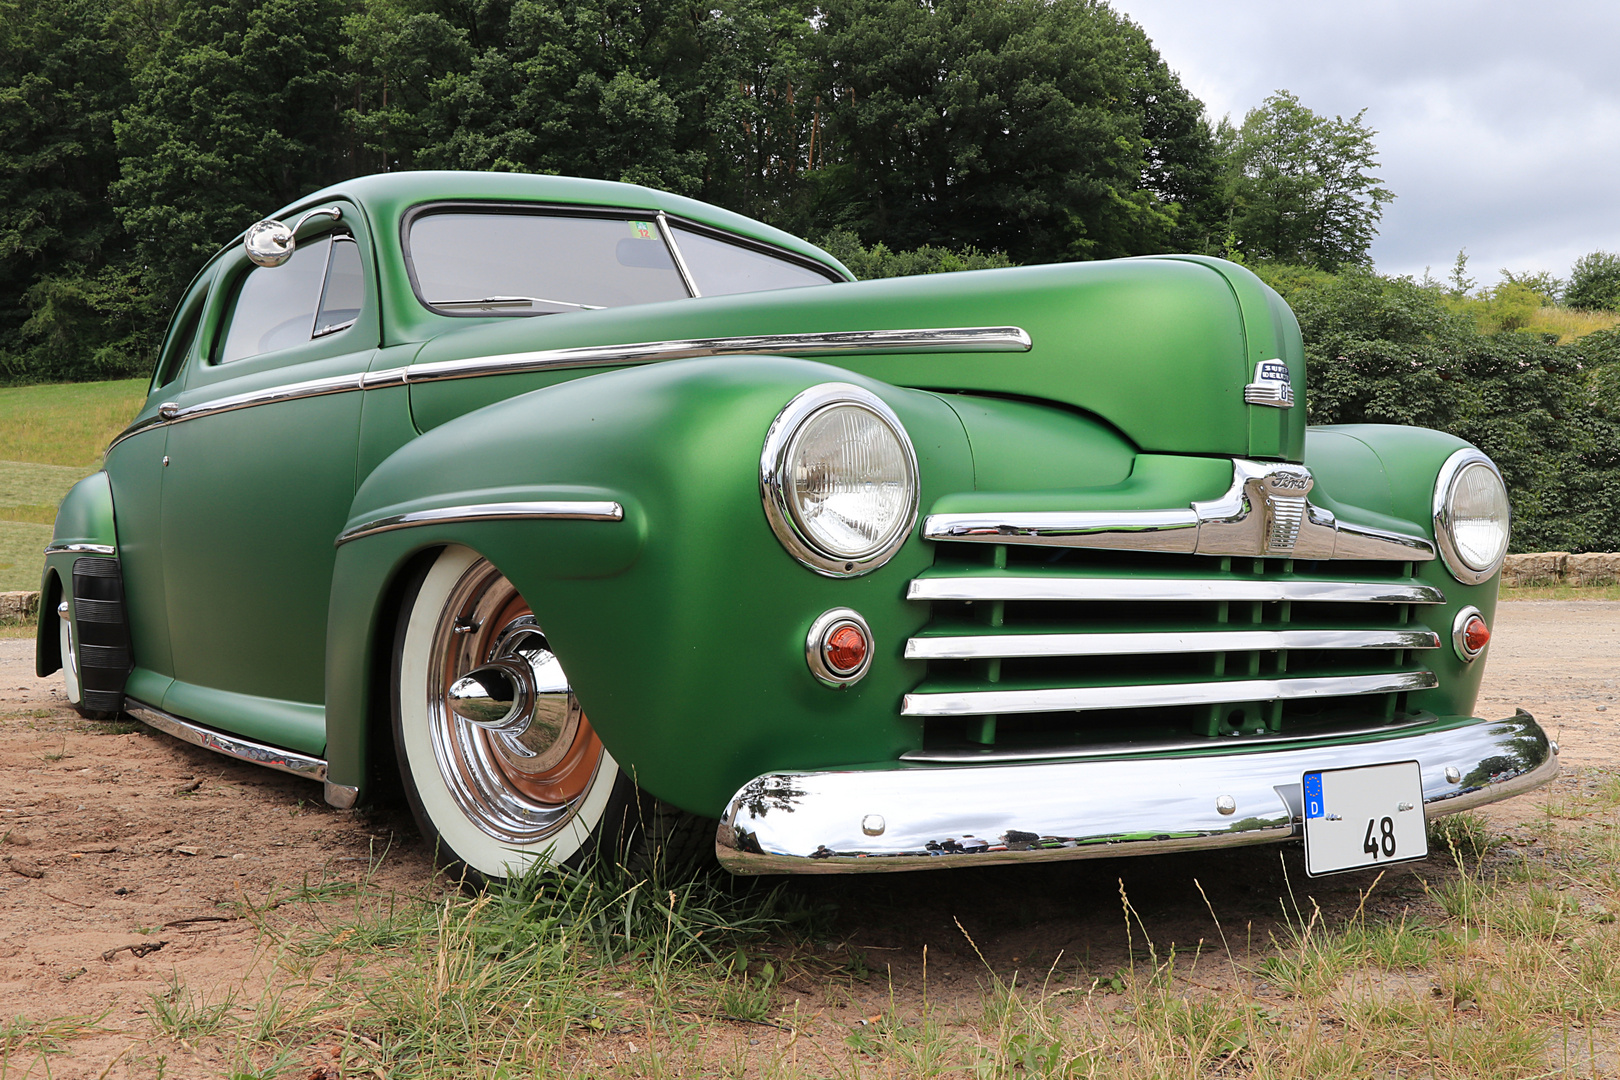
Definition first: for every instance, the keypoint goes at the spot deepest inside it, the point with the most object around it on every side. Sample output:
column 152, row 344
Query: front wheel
column 500, row 764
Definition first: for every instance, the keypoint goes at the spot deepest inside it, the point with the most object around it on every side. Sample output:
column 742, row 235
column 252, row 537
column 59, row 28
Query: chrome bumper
column 928, row 817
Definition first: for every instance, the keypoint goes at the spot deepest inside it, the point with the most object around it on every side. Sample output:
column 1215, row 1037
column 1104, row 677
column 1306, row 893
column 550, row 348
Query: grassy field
column 1570, row 324
column 66, row 424
column 50, row 437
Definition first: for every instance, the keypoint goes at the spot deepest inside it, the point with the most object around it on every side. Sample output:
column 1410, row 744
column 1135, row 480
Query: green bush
column 1594, row 282
column 1394, row 351
column 877, row 261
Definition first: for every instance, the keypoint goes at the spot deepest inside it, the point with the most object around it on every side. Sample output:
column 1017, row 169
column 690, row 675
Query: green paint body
column 682, row 626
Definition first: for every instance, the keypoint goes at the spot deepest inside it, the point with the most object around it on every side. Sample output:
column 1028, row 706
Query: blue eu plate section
column 1313, row 795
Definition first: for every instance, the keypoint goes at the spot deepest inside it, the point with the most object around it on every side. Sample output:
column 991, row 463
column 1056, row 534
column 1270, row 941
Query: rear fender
column 84, row 526
column 682, row 623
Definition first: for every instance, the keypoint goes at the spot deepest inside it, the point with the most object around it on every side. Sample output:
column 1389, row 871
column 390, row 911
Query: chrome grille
column 1039, row 653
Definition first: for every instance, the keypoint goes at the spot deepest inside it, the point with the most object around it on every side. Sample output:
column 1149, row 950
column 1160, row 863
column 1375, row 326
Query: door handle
column 169, row 410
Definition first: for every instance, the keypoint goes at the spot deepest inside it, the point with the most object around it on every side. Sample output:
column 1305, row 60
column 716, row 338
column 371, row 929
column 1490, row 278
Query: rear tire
column 72, row 687
column 495, row 802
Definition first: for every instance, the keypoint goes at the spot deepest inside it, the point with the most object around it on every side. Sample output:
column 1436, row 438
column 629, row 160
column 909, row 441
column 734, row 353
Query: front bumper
column 928, row 817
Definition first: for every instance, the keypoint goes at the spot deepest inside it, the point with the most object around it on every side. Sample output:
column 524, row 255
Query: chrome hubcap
column 510, row 738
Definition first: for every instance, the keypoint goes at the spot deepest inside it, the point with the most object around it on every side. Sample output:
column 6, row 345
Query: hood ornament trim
column 1266, row 513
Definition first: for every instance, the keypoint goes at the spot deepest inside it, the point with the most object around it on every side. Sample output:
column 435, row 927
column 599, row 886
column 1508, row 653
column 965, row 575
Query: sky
column 1498, row 122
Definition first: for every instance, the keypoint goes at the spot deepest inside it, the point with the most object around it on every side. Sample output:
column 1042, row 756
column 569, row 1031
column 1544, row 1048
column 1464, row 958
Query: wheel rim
column 70, row 660
column 523, row 784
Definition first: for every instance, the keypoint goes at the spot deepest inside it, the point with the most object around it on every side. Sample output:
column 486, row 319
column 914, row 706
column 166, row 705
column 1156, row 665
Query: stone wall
column 1561, row 568
column 19, row 606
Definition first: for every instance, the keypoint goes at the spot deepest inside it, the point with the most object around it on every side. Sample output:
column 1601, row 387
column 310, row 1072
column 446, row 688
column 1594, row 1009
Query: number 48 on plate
column 1370, row 815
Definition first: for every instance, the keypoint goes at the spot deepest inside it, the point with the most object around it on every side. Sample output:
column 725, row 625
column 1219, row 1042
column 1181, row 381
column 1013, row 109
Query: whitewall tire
column 495, row 801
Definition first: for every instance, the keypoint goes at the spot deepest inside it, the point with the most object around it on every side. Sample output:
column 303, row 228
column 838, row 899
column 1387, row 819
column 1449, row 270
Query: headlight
column 1471, row 516
column 839, row 480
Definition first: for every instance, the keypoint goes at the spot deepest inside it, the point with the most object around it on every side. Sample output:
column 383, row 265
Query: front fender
column 1383, row 476
column 84, row 526
column 682, row 626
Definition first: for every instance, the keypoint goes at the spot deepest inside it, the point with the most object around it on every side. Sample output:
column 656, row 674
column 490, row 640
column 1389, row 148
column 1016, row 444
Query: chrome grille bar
column 1011, row 586
column 989, row 646
column 1094, row 698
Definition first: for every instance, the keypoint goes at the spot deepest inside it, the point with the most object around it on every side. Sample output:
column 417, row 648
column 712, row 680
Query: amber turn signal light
column 839, row 647
column 1470, row 634
column 846, row 648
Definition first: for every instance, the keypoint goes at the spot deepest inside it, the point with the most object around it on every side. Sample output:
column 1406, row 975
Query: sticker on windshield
column 641, row 230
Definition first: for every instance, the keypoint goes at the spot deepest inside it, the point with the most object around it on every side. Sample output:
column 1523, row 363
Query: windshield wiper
column 490, row 303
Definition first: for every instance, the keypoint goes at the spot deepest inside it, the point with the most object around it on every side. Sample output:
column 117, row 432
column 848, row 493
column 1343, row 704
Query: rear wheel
column 72, row 684
column 500, row 764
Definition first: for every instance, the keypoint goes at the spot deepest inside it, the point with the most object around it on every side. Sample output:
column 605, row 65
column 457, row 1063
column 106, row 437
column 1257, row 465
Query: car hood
column 1159, row 348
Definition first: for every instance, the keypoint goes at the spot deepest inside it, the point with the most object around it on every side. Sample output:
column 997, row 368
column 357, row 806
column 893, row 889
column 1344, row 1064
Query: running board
column 341, row 796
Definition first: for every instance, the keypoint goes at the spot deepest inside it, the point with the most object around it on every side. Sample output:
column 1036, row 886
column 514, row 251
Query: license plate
column 1371, row 815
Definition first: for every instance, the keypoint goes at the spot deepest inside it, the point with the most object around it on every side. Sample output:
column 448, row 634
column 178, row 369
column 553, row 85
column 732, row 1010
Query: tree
column 649, row 93
column 1049, row 129
column 1594, row 282
column 65, row 305
column 237, row 113
column 1302, row 188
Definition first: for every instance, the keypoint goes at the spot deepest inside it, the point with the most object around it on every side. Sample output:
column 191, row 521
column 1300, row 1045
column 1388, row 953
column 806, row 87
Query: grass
column 1561, row 592
column 50, row 437
column 67, row 424
column 1570, row 324
column 22, row 555
column 1500, row 973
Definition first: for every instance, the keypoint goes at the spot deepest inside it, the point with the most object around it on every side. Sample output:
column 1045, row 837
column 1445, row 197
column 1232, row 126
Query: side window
column 344, row 290
column 178, row 345
column 316, row 292
column 719, row 268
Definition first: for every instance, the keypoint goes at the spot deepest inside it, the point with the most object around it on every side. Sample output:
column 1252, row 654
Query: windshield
column 509, row 262
column 537, row 264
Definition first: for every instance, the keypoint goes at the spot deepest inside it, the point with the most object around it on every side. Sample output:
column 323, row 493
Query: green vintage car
column 610, row 517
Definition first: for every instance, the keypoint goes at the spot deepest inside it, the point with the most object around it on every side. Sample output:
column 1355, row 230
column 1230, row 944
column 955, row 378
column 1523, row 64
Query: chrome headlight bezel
column 773, row 469
column 1445, row 484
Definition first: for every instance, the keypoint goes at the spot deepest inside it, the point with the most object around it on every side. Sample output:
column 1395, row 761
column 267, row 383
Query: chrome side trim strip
column 1265, row 513
column 287, row 761
column 920, row 817
column 337, row 384
column 1007, row 586
column 985, row 646
column 511, row 511
column 1145, row 696
column 83, row 549
column 832, row 343
column 955, row 339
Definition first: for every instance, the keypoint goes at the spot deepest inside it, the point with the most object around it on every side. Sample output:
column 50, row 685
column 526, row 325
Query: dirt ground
column 125, row 854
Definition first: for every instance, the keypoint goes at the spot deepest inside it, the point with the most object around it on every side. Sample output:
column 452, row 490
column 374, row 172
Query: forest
column 137, row 136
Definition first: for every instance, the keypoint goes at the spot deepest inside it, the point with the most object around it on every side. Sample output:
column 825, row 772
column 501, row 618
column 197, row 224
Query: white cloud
column 1498, row 123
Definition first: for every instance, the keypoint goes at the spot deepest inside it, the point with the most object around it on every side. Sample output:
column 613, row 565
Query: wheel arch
column 675, row 447
column 85, row 524
column 47, row 639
